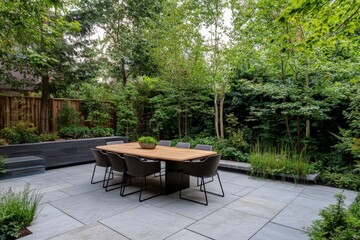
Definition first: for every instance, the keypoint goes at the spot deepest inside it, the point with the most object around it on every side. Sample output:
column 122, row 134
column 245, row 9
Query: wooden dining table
column 172, row 156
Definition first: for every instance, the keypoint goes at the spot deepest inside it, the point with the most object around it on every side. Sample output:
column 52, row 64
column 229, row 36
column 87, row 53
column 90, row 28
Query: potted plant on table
column 147, row 142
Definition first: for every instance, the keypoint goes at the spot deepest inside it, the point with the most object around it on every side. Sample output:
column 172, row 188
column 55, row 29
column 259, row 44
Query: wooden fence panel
column 14, row 109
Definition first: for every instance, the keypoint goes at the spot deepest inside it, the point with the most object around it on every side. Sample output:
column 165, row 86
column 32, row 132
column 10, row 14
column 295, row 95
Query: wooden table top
column 160, row 152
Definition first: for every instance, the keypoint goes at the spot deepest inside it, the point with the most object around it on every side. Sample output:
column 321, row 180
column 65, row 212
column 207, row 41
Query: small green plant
column 68, row 116
column 346, row 180
column 48, row 137
column 17, row 211
column 99, row 118
column 337, row 222
column 268, row 162
column 2, row 164
column 20, row 132
column 101, row 132
column 147, row 139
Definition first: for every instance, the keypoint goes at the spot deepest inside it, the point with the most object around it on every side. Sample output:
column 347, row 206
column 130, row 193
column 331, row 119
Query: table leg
column 173, row 177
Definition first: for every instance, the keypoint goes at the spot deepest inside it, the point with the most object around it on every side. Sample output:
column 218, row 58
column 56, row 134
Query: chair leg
column 202, row 183
column 217, row 194
column 144, row 180
column 197, row 181
column 93, row 174
column 122, row 191
column 107, row 184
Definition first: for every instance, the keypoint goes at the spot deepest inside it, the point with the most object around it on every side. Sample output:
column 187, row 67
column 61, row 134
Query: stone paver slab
column 95, row 206
column 273, row 231
column 51, row 222
column 95, row 231
column 188, row 235
column 257, row 206
column 274, row 194
column 147, row 222
column 229, row 224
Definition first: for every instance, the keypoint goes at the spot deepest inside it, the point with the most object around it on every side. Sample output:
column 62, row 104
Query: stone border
column 246, row 167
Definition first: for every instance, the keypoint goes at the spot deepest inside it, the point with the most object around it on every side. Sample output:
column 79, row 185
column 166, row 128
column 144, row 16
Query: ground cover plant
column 337, row 221
column 17, row 210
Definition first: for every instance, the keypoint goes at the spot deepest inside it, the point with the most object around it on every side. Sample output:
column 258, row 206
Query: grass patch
column 268, row 162
column 17, row 211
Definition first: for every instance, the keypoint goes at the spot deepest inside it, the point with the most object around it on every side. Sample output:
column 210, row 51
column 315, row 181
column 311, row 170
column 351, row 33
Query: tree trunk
column 44, row 104
column 216, row 114
column 289, row 133
column 222, row 100
column 298, row 135
column 179, row 117
column 307, row 128
column 186, row 117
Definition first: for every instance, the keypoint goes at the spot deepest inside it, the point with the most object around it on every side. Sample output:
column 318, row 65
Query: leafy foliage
column 20, row 132
column 337, row 222
column 2, row 164
column 84, row 132
column 147, row 139
column 17, row 210
column 68, row 116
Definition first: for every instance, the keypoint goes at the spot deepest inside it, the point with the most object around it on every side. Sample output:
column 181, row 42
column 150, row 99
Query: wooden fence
column 14, row 109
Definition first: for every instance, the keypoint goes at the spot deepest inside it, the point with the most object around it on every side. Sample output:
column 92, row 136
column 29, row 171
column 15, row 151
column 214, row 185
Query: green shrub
column 101, row 132
column 268, row 163
column 147, row 139
column 236, row 140
column 337, row 222
column 84, row 132
column 68, row 116
column 20, row 132
column 99, row 118
column 74, row 132
column 48, row 137
column 231, row 153
column 17, row 211
column 346, row 180
column 2, row 164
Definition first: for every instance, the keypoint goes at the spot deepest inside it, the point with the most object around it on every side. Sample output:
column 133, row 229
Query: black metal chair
column 101, row 161
column 137, row 167
column 182, row 145
column 166, row 143
column 203, row 147
column 114, row 142
column 118, row 165
column 202, row 169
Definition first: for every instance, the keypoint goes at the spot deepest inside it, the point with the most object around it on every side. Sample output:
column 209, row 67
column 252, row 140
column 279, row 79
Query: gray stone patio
column 254, row 209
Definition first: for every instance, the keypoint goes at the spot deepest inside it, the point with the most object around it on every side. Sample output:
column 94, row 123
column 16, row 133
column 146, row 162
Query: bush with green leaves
column 222, row 146
column 84, row 132
column 337, row 222
column 147, row 139
column 20, row 132
column 2, row 164
column 101, row 132
column 269, row 163
column 48, row 137
column 99, row 118
column 17, row 211
column 345, row 179
column 68, row 116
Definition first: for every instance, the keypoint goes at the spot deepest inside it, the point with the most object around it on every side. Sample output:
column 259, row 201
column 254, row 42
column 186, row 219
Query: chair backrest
column 133, row 165
column 101, row 159
column 183, row 145
column 166, row 143
column 203, row 147
column 117, row 162
column 139, row 168
column 114, row 142
column 206, row 168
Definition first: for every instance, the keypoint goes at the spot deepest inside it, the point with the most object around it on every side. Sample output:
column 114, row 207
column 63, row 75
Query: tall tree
column 33, row 39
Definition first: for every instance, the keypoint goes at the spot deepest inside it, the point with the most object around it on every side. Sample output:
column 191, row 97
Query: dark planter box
column 59, row 153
